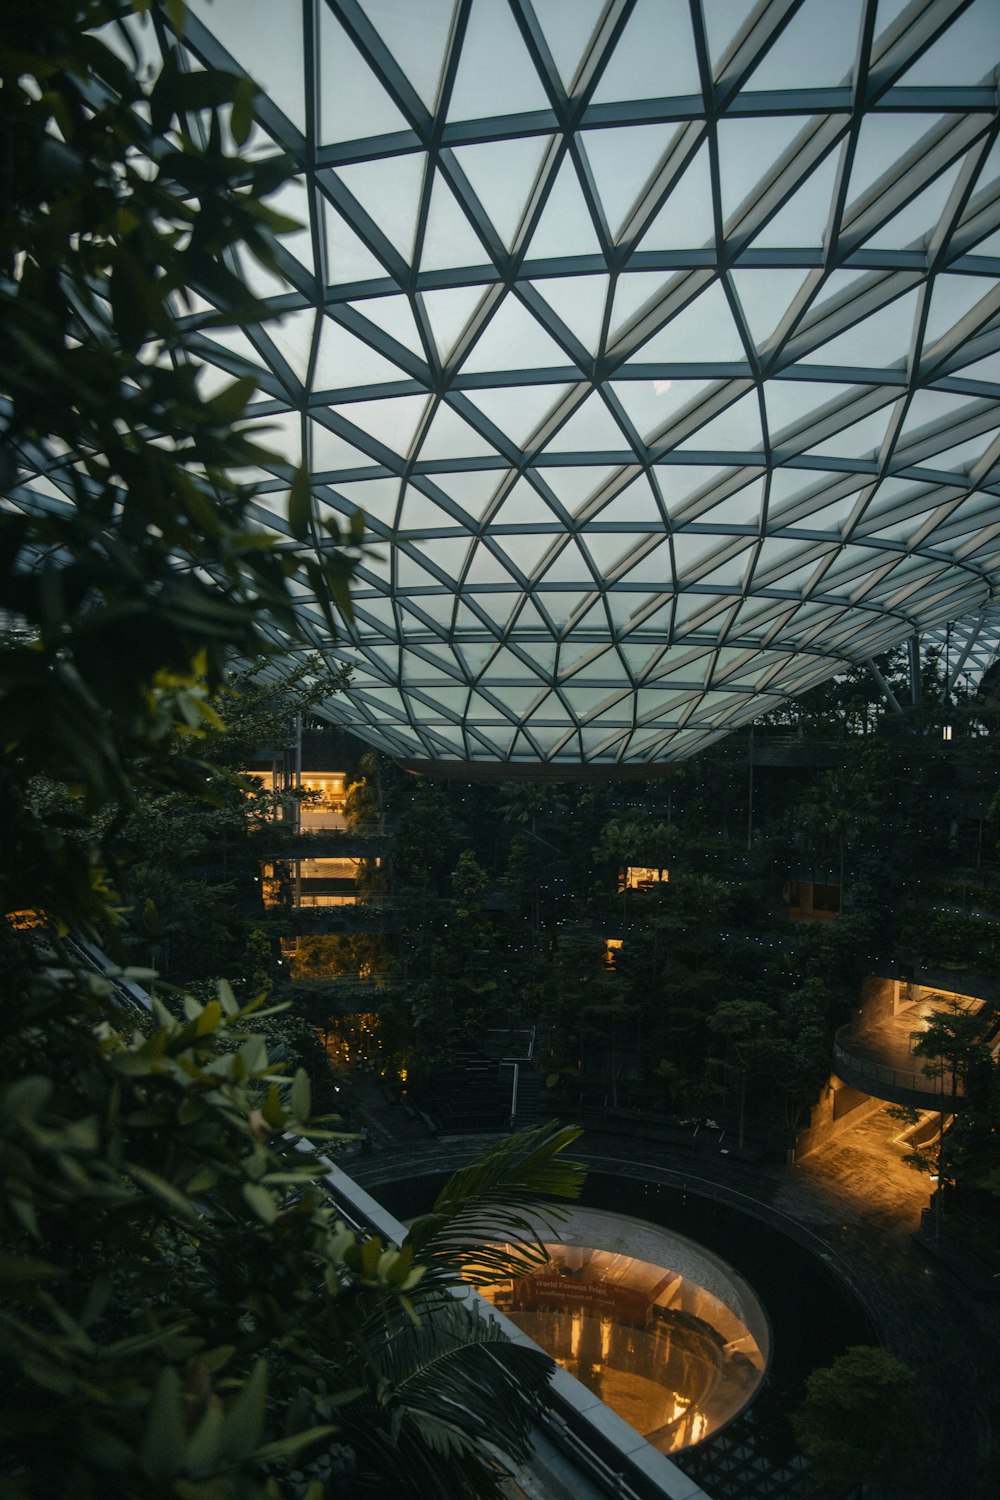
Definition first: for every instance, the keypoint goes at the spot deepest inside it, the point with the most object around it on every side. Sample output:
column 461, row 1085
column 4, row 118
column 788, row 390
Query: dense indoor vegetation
column 181, row 1311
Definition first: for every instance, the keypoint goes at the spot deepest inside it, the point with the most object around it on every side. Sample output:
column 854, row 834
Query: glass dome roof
column 658, row 340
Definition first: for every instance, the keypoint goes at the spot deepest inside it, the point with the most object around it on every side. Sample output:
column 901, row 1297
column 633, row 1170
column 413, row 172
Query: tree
column 858, row 1425
column 181, row 1312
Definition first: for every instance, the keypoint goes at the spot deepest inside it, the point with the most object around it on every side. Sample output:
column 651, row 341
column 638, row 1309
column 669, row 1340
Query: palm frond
column 454, row 1400
column 480, row 1219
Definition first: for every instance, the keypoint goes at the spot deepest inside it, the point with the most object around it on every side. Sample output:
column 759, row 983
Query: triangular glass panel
column 860, row 440
column 722, row 22
column 817, row 48
column 394, row 316
column 880, row 341
column 691, row 551
column 951, row 298
column 748, row 150
column 568, row 31
column 565, row 227
column 633, row 290
column 575, row 485
column 737, row 429
column 378, row 498
column 965, row 53
column 502, row 175
column 525, row 550
column 278, row 71
column 622, row 160
column 495, row 73
column 421, row 513
column 349, row 92
column 348, row 257
column 654, row 58
column 449, row 313
column 523, row 506
column 790, row 402
column 517, row 410
column 449, row 239
column 685, row 221
column 451, row 436
column 570, row 566
column 651, row 404
column 884, row 139
column 344, row 361
column 579, row 301
column 486, row 567
column 417, row 37
column 393, row 422
column 514, row 340
column 765, row 297
column 388, row 189
column 915, row 223
column 291, row 335
column 802, row 222
column 702, row 333
column 473, row 489
column 591, row 429
column 636, row 502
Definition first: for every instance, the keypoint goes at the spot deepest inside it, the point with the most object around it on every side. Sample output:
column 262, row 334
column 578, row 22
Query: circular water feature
column 662, row 1330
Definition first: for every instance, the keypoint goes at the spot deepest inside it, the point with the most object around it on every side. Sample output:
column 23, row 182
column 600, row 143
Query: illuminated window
column 642, row 878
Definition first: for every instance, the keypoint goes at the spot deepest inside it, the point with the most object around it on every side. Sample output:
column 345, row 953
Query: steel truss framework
column 658, row 340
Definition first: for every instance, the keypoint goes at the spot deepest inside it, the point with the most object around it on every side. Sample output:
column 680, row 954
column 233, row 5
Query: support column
column 913, row 650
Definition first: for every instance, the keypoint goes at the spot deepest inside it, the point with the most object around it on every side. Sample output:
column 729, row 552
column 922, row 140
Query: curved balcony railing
column 861, row 1066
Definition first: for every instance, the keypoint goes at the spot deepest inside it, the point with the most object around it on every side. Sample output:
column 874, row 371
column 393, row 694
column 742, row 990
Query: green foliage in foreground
column 183, row 1312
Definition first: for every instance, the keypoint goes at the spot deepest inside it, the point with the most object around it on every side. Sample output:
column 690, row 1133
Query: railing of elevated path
column 860, row 1062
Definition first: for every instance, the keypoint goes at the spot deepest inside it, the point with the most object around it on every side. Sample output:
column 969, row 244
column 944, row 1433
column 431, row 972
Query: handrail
column 861, row 1061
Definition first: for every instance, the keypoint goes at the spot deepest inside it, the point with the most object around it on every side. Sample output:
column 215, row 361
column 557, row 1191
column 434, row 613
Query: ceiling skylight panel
column 723, row 23
column 579, row 302
column 591, row 428
column 685, row 221
column 348, row 257
column 702, row 333
column 392, row 422
column 816, row 49
column 765, row 297
column 952, row 297
column 967, row 52
column 565, row 227
column 650, row 404
column 451, row 436
column 345, row 360
column 737, row 429
column 247, row 30
column 749, row 150
column 879, row 341
column 495, row 73
column 352, row 101
column 514, row 340
column 388, row 190
column 802, row 221
column 622, row 160
column 418, row 37
column 502, row 175
column 517, row 410
column 449, row 239
column 655, row 57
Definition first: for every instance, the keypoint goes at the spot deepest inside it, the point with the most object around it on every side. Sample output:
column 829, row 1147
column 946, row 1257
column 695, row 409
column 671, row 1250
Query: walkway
column 856, row 1204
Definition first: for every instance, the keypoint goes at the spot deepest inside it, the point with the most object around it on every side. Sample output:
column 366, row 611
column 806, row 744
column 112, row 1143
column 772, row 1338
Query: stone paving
column 859, row 1206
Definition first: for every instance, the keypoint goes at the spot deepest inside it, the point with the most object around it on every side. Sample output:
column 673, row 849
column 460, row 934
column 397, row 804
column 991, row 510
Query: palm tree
column 448, row 1397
